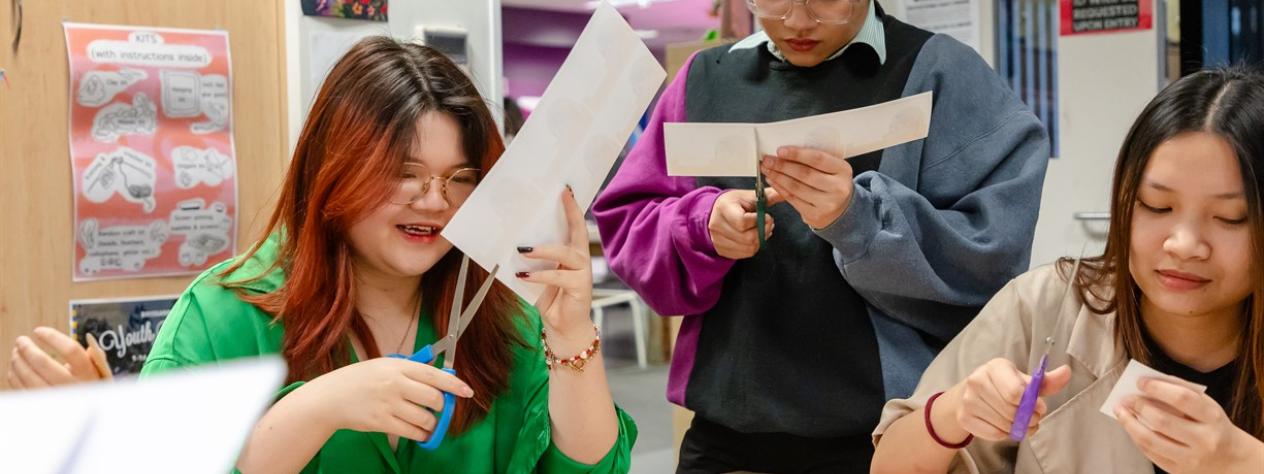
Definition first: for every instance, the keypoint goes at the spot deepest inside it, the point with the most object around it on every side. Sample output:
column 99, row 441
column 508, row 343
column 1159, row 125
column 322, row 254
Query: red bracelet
column 931, row 429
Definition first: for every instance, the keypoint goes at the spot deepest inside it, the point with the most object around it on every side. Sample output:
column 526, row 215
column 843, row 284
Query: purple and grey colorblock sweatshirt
column 812, row 334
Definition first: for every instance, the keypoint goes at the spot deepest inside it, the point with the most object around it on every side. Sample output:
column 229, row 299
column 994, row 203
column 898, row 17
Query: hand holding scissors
column 999, row 402
column 1027, row 404
column 458, row 321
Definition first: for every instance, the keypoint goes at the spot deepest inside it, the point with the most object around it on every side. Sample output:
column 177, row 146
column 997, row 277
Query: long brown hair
column 1230, row 104
column 362, row 127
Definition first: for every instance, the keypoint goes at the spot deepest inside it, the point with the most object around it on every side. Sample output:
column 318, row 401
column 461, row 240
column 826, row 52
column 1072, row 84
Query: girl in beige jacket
column 1179, row 287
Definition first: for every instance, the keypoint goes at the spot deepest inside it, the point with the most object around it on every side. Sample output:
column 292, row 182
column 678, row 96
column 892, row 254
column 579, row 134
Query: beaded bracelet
column 575, row 362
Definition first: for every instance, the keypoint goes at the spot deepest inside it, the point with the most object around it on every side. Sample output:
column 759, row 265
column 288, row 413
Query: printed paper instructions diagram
column 152, row 150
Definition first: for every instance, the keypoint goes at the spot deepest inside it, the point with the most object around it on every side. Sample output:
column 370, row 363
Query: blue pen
column 458, row 320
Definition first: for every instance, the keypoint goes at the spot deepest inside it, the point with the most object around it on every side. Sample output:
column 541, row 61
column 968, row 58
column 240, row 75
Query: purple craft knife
column 1027, row 406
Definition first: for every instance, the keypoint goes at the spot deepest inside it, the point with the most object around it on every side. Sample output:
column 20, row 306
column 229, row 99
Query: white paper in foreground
column 1127, row 385
column 194, row 421
column 733, row 149
column 573, row 137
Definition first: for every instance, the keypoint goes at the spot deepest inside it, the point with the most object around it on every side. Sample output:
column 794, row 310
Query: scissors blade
column 448, row 342
column 468, row 315
column 761, row 204
column 1075, row 270
column 454, row 314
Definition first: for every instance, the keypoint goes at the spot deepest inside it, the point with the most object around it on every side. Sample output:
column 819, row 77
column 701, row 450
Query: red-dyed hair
column 362, row 127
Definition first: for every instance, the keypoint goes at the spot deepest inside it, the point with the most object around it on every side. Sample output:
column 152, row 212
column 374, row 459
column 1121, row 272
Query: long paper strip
column 730, row 149
column 573, row 138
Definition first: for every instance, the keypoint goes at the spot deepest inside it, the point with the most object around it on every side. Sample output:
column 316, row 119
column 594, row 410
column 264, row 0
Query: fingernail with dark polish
column 525, row 249
column 522, row 274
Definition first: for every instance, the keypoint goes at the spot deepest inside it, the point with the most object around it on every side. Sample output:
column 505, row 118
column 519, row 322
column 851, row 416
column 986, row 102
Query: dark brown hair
column 1230, row 104
column 362, row 126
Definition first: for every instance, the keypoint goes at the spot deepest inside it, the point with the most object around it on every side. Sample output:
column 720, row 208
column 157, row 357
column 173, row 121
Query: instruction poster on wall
column 151, row 149
column 124, row 328
column 956, row 18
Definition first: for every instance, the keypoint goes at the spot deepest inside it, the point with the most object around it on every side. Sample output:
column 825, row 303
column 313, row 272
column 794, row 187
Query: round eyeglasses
column 415, row 178
column 829, row 12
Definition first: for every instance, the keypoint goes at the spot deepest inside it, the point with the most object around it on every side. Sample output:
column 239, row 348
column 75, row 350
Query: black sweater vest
column 789, row 348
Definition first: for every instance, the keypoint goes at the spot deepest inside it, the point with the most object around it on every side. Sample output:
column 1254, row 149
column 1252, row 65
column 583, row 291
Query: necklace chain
column 415, row 316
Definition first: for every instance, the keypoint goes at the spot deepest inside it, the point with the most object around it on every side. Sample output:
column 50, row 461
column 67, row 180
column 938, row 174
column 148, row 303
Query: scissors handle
column 445, row 417
column 1027, row 406
column 425, row 356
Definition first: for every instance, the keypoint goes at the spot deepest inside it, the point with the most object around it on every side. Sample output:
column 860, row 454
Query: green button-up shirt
column 210, row 323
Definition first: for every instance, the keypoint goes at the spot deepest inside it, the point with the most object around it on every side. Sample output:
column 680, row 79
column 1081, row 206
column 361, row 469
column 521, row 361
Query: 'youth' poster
column 125, row 328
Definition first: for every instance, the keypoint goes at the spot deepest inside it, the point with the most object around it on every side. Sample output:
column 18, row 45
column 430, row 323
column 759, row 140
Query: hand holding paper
column 818, row 184
column 1178, row 426
column 728, row 149
column 1129, row 385
column 566, row 303
column 807, row 165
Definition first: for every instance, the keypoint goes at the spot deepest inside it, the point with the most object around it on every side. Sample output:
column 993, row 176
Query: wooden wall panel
column 36, row 238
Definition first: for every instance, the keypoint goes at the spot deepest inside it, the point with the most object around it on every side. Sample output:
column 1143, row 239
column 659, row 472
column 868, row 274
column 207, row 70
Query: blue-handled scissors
column 458, row 320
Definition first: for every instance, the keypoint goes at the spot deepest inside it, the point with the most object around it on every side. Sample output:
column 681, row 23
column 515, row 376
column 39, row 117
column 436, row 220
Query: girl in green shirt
column 353, row 268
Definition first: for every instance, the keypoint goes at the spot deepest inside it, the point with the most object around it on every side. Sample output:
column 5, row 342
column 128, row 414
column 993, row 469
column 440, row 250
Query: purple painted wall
column 528, row 69
column 552, row 28
column 536, row 42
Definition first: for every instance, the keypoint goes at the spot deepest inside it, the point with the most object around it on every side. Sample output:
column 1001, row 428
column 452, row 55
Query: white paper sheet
column 572, row 138
column 195, row 421
column 733, row 149
column 1127, row 385
column 710, row 149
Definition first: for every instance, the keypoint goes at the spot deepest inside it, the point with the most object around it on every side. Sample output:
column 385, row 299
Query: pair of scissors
column 761, row 204
column 458, row 321
column 1027, row 405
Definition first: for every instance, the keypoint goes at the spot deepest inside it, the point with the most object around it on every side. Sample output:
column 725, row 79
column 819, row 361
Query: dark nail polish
column 571, row 190
column 522, row 274
column 525, row 249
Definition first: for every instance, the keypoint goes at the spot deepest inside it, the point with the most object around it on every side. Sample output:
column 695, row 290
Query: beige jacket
column 1075, row 437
